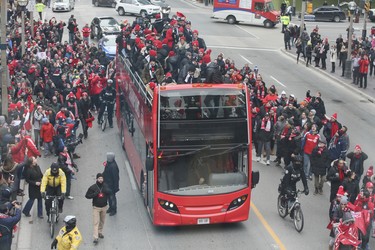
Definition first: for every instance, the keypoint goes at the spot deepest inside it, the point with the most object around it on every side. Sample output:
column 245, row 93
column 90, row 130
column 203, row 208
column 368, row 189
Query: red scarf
column 334, row 128
column 341, row 174
column 261, row 92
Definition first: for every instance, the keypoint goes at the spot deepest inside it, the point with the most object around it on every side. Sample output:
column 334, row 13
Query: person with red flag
column 346, row 231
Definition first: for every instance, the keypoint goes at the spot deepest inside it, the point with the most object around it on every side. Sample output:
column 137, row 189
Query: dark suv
column 329, row 13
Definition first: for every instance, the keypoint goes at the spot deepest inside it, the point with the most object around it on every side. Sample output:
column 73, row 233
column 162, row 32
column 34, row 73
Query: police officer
column 107, row 98
column 7, row 221
column 69, row 237
column 285, row 20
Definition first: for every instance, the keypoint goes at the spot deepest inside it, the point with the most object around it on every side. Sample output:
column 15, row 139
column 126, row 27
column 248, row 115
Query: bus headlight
column 169, row 206
column 237, row 202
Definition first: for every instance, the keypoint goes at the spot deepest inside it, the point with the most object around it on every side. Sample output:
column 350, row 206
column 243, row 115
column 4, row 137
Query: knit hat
column 206, row 58
column 99, row 175
column 344, row 200
column 341, row 191
column 357, row 148
column 153, row 53
column 334, row 116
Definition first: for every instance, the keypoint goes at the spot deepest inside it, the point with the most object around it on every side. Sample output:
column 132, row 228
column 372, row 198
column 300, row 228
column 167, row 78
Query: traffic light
column 367, row 6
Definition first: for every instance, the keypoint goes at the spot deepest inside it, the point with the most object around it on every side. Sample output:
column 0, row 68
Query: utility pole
column 367, row 8
column 4, row 65
column 303, row 10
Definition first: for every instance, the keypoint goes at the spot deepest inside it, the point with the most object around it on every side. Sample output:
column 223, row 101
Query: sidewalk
column 200, row 5
column 368, row 93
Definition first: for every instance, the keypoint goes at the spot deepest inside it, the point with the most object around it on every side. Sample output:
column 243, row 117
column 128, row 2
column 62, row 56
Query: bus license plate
column 203, row 221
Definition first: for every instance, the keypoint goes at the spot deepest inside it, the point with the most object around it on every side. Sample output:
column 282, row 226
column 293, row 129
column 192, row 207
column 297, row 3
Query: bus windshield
column 203, row 172
column 199, row 117
column 269, row 6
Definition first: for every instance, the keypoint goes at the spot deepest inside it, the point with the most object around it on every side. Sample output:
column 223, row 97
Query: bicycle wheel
column 282, row 206
column 298, row 218
column 104, row 122
column 52, row 224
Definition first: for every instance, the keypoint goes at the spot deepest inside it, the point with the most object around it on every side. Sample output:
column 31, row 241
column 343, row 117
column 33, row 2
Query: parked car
column 328, row 13
column 106, row 3
column 165, row 8
column 108, row 45
column 106, row 25
column 137, row 7
column 371, row 15
column 63, row 5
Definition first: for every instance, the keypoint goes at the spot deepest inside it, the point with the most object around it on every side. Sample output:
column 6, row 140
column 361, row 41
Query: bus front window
column 205, row 172
column 269, row 7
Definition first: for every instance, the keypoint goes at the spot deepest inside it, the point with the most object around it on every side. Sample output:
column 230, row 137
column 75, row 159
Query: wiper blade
column 224, row 152
column 188, row 153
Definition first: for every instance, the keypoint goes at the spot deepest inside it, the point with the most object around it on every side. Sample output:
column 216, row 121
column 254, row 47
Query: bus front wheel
column 268, row 24
column 231, row 19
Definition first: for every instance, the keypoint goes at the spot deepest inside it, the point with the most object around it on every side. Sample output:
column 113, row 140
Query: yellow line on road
column 268, row 227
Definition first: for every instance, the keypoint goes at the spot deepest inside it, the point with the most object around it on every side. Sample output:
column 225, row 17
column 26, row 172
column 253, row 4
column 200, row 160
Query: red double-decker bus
column 189, row 146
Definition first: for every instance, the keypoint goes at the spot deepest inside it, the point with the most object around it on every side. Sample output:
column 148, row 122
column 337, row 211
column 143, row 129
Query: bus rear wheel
column 231, row 19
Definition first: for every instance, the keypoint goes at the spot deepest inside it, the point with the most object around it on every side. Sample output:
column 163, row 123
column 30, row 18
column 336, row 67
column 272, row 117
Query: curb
column 332, row 77
column 200, row 5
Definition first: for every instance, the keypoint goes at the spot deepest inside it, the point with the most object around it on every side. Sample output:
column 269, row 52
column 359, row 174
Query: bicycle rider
column 53, row 184
column 293, row 174
column 107, row 98
column 69, row 237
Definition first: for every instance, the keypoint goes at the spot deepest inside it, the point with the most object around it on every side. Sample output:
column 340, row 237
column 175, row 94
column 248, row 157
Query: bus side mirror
column 150, row 163
column 254, row 178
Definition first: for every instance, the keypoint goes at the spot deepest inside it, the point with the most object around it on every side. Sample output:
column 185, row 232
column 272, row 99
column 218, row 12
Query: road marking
column 131, row 176
column 241, row 48
column 268, row 227
column 248, row 32
column 273, row 78
column 247, row 60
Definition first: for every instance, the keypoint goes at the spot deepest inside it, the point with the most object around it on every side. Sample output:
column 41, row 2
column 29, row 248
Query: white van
column 63, row 5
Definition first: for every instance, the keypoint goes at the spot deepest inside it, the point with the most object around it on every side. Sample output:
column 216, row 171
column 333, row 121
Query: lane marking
column 128, row 170
column 268, row 227
column 247, row 60
column 273, row 78
column 248, row 32
column 241, row 48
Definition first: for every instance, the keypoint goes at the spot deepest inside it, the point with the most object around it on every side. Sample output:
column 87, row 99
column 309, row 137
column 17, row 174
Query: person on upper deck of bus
column 153, row 72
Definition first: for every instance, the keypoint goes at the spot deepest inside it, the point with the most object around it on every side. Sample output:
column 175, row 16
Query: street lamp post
column 23, row 4
column 348, row 64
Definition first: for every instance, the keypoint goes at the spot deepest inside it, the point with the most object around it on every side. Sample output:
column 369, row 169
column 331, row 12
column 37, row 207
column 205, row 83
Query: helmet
column 369, row 185
column 109, row 81
column 70, row 222
column 54, row 168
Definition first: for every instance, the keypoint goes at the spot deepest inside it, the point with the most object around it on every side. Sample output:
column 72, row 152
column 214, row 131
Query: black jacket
column 320, row 161
column 99, row 194
column 356, row 163
column 213, row 74
column 32, row 176
column 111, row 176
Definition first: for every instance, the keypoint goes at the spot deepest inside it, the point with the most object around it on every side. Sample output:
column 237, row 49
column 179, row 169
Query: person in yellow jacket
column 285, row 20
column 53, row 184
column 40, row 8
column 69, row 237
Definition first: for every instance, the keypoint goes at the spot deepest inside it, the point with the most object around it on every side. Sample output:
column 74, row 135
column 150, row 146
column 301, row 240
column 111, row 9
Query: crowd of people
column 299, row 133
column 55, row 86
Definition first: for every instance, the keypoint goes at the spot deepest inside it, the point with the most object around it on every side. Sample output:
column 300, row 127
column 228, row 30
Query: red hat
column 157, row 16
column 12, row 106
column 137, row 40
column 369, row 185
column 141, row 45
column 158, row 44
column 137, row 27
column 195, row 43
column 206, row 58
column 19, row 105
column 183, row 38
column 71, row 95
column 196, row 31
column 168, row 74
column 153, row 53
column 358, row 148
column 340, row 192
column 171, row 53
column 152, row 85
column 201, row 50
column 256, row 109
column 147, row 31
column 181, row 29
column 334, row 116
column 208, row 51
column 180, row 15
column 370, row 171
column 173, row 22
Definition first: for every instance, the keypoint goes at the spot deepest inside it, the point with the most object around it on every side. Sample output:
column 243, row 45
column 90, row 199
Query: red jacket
column 31, row 148
column 47, row 132
column 17, row 152
column 363, row 66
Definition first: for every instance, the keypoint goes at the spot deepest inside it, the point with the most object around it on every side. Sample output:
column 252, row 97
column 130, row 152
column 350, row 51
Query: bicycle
column 53, row 213
column 284, row 208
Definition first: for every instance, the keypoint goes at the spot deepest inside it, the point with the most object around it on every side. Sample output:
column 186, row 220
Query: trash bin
column 373, row 30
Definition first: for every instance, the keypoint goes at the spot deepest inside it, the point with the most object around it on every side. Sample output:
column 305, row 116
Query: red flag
column 347, row 235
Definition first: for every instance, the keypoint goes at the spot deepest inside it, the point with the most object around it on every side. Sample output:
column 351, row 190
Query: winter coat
column 99, row 193
column 213, row 74
column 334, row 177
column 356, row 163
column 47, row 132
column 111, row 174
column 352, row 188
column 264, row 135
column 319, row 161
column 333, row 55
column 338, row 147
column 363, row 66
column 32, row 175
column 159, row 74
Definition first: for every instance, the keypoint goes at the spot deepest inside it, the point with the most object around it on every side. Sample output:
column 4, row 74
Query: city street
column 132, row 229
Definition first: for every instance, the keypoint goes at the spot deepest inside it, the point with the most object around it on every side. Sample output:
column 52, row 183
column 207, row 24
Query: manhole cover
column 337, row 101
